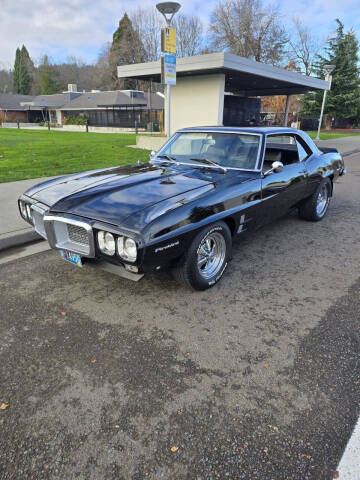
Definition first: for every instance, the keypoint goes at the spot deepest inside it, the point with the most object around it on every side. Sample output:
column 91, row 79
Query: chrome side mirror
column 152, row 154
column 276, row 167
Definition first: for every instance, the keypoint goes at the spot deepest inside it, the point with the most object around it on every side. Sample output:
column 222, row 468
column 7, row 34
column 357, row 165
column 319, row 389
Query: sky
column 81, row 27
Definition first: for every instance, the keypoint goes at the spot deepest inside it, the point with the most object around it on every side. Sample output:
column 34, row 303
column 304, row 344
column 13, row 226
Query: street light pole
column 168, row 10
column 328, row 69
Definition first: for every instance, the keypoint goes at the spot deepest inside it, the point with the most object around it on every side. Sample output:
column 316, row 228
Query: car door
column 282, row 190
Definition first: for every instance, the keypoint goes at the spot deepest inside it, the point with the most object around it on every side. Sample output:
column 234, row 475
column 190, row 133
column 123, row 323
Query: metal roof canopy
column 242, row 76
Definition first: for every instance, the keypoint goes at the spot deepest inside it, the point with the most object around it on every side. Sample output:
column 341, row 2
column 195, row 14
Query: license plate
column 71, row 257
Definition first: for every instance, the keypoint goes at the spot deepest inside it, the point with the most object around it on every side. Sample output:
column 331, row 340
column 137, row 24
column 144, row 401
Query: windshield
column 231, row 150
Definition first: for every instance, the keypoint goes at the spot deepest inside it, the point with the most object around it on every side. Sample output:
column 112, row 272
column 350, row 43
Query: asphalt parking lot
column 257, row 378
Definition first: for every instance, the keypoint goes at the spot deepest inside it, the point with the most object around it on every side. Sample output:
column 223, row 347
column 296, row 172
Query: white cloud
column 80, row 27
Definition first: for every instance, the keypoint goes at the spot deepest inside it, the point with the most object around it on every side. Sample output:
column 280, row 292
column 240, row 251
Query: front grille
column 77, row 234
column 70, row 234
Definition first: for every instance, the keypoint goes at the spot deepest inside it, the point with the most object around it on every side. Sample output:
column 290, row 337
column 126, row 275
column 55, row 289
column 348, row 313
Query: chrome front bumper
column 63, row 232
column 70, row 234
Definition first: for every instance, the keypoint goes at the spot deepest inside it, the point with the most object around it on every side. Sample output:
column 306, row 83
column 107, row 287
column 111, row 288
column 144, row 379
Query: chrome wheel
column 211, row 255
column 322, row 200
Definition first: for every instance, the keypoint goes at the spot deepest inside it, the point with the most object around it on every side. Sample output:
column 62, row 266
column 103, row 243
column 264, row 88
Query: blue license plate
column 71, row 257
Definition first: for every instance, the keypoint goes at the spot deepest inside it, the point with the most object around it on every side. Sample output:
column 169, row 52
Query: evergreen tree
column 27, row 71
column 343, row 100
column 17, row 71
column 23, row 71
column 47, row 77
column 126, row 48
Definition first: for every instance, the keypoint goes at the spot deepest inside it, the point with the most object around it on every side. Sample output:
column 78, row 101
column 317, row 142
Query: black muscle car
column 181, row 210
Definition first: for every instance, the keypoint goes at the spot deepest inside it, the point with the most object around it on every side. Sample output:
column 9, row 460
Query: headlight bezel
column 23, row 211
column 126, row 247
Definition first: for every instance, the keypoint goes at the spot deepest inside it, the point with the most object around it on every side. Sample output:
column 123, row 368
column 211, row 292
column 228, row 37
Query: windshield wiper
column 170, row 159
column 209, row 162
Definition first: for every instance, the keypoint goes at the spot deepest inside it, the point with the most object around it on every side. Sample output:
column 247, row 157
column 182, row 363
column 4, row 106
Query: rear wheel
column 316, row 207
column 205, row 261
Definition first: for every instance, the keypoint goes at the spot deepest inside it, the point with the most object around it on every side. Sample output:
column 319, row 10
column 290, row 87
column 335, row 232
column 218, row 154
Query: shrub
column 75, row 121
column 52, row 125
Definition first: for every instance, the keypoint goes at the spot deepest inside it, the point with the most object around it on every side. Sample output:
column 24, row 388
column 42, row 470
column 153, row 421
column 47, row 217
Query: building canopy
column 242, row 76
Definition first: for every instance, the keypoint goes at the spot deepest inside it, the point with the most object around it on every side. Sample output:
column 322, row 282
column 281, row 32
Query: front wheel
column 206, row 260
column 316, row 207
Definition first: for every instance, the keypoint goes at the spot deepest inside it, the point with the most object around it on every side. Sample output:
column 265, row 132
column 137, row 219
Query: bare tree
column 249, row 29
column 148, row 23
column 102, row 73
column 303, row 47
column 189, row 32
column 6, row 80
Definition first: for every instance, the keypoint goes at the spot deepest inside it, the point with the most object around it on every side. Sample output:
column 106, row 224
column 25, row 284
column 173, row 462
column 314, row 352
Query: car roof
column 262, row 130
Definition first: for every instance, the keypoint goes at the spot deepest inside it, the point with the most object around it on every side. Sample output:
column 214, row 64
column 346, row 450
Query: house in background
column 11, row 108
column 120, row 108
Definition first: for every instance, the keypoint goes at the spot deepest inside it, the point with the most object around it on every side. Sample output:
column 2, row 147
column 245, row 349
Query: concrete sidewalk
column 13, row 229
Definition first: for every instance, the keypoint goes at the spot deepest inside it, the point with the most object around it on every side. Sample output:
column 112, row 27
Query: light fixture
column 168, row 10
column 328, row 69
column 106, row 242
column 127, row 248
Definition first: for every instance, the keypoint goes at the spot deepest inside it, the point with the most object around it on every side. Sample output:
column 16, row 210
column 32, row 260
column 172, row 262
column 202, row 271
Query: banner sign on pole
column 168, row 40
column 168, row 69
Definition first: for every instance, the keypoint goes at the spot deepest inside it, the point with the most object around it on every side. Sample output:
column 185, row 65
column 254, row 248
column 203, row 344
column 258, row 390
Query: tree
column 102, row 72
column 147, row 23
column 23, row 71
column 250, row 29
column 303, row 47
column 343, row 100
column 47, row 77
column 126, row 49
column 17, row 71
column 6, row 79
column 26, row 71
column 189, row 31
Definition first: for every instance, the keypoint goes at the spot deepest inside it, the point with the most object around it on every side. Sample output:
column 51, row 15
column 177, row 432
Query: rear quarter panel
column 323, row 165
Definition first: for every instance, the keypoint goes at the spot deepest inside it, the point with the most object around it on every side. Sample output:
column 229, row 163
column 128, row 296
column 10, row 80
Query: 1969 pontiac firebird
column 181, row 210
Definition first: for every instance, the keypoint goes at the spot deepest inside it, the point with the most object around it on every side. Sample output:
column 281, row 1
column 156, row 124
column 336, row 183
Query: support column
column 287, row 110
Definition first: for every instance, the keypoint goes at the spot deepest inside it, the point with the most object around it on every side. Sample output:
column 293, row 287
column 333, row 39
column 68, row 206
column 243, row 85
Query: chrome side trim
column 58, row 238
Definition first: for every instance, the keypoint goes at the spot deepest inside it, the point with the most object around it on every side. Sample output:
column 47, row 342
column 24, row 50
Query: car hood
column 112, row 195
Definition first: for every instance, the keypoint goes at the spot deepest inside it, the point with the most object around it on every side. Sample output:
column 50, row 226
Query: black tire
column 187, row 272
column 310, row 210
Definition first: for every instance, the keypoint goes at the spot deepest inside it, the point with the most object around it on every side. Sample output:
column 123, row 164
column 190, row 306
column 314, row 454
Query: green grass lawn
column 330, row 135
column 38, row 153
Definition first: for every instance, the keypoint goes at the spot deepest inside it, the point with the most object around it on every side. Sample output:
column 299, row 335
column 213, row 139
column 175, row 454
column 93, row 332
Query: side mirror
column 152, row 154
column 276, row 167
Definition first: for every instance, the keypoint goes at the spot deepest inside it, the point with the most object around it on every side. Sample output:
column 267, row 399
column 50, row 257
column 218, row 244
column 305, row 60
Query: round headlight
column 23, row 209
column 101, row 240
column 127, row 248
column 106, row 242
column 28, row 211
column 130, row 248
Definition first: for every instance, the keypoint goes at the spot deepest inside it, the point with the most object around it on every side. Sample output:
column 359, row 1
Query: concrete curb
column 9, row 240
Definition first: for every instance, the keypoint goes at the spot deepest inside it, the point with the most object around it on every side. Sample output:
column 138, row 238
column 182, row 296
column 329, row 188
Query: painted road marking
column 349, row 466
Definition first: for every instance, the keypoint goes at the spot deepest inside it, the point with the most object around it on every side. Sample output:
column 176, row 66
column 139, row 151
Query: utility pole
column 168, row 10
column 328, row 69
